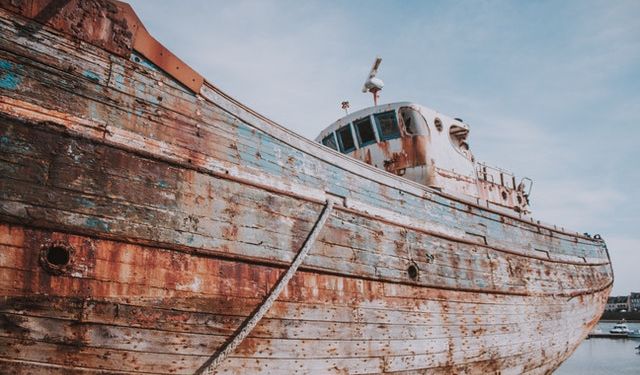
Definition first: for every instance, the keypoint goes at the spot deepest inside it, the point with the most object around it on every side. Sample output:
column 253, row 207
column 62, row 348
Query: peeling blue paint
column 93, row 110
column 86, row 202
column 144, row 62
column 91, row 75
column 8, row 78
column 15, row 146
column 119, row 81
column 96, row 223
column 139, row 59
column 163, row 184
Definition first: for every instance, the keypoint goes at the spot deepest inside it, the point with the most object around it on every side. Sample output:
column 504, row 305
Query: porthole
column 56, row 257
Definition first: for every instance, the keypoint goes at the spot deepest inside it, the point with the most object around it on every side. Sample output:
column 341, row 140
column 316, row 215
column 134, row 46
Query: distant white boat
column 634, row 335
column 620, row 328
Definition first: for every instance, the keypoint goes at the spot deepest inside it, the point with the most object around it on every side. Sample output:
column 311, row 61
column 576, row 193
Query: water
column 604, row 356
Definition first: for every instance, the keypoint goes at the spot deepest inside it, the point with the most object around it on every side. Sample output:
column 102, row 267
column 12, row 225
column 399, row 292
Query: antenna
column 345, row 106
column 373, row 84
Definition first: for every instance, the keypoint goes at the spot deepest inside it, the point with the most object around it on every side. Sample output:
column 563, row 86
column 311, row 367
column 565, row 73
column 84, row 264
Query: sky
column 550, row 89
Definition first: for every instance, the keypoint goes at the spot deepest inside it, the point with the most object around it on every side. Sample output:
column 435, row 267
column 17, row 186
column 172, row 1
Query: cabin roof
column 426, row 111
column 359, row 114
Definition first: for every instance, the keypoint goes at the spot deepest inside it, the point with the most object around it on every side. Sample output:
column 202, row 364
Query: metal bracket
column 252, row 320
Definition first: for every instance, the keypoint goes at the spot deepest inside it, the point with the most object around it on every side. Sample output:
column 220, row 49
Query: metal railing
column 502, row 177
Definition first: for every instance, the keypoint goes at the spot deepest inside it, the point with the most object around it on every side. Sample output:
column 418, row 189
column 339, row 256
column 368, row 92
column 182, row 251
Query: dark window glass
column 364, row 130
column 387, row 125
column 345, row 139
column 330, row 141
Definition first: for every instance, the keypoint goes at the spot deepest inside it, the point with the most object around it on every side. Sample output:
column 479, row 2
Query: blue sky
column 551, row 89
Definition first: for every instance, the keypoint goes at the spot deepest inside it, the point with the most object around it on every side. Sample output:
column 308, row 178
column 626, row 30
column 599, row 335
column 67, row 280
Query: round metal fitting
column 56, row 257
column 412, row 271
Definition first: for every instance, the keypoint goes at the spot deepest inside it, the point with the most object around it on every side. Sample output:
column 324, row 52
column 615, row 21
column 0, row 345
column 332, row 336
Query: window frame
column 416, row 113
column 396, row 134
column 457, row 143
column 335, row 141
column 351, row 133
column 373, row 130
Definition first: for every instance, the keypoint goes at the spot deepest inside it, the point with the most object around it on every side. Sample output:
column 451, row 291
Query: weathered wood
column 190, row 142
column 256, row 316
column 357, row 329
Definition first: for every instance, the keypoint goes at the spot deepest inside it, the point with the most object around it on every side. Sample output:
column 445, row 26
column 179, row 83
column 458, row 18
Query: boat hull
column 141, row 223
column 152, row 310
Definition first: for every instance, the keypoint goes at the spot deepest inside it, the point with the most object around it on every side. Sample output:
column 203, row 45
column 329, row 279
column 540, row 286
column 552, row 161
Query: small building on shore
column 618, row 303
column 634, row 302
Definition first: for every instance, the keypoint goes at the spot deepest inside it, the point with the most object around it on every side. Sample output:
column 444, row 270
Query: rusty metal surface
column 111, row 25
column 141, row 225
column 95, row 21
column 158, row 54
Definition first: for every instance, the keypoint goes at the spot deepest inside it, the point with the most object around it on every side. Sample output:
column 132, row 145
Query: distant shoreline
column 617, row 320
column 614, row 316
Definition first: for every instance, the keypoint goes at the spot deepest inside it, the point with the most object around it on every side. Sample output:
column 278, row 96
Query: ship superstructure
column 425, row 146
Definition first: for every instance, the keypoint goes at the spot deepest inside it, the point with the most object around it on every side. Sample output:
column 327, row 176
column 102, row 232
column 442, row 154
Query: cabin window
column 364, row 130
column 345, row 139
column 413, row 121
column 458, row 136
column 387, row 125
column 330, row 141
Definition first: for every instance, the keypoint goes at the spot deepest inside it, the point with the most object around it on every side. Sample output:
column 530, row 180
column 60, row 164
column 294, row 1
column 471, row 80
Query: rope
column 252, row 320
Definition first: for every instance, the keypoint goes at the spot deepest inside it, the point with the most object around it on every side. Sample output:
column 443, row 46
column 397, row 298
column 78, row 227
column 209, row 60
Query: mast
column 374, row 84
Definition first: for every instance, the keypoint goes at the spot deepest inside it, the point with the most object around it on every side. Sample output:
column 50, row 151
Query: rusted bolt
column 56, row 257
column 412, row 271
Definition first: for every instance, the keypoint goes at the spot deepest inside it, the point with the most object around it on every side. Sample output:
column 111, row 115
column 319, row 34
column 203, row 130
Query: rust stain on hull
column 141, row 224
column 129, row 301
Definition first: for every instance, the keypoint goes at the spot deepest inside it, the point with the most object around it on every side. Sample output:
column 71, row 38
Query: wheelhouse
column 364, row 129
column 425, row 146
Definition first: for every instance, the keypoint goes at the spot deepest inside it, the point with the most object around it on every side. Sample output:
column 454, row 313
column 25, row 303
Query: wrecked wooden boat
column 150, row 223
